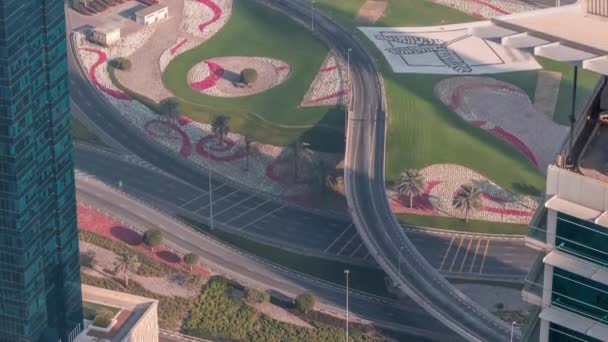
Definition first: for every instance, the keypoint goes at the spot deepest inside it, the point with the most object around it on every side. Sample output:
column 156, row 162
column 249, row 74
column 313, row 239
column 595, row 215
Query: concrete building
column 39, row 259
column 135, row 320
column 106, row 35
column 569, row 280
column 152, row 14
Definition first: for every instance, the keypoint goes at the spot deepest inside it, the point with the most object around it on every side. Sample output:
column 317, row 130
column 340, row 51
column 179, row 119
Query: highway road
column 373, row 219
column 304, row 232
column 249, row 270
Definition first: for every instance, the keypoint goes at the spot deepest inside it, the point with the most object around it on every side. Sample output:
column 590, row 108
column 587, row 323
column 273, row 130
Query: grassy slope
column 256, row 31
column 81, row 133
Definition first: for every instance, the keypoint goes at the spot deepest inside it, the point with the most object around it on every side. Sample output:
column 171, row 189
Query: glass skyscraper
column 40, row 296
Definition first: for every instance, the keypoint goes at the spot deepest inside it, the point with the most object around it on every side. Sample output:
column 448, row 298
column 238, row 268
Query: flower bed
column 329, row 88
column 443, row 182
column 505, row 111
column 488, row 8
column 203, row 18
column 221, row 76
column 100, row 223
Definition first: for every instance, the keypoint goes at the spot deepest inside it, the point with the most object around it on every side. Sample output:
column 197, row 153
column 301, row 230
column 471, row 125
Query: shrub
column 305, row 303
column 121, row 63
column 256, row 296
column 249, row 76
column 103, row 318
column 191, row 259
column 148, row 268
column 153, row 238
column 87, row 259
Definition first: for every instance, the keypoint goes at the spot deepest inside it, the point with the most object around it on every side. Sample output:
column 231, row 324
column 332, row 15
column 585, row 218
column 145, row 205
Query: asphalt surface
column 279, row 224
column 367, row 199
column 424, row 285
column 250, row 270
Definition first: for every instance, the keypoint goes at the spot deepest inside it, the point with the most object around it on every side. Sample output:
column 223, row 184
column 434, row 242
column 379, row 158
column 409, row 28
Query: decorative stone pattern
column 442, row 184
column 182, row 45
column 330, row 86
column 221, row 76
column 507, row 112
column 488, row 8
column 203, row 18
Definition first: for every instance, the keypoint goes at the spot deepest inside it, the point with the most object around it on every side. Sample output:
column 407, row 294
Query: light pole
column 512, row 329
column 210, row 196
column 312, row 17
column 348, row 63
column 346, row 272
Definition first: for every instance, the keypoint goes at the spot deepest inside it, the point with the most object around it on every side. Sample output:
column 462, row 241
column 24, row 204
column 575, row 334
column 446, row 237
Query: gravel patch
column 370, row 11
column 507, row 112
column 280, row 314
column 221, row 76
column 488, row 8
column 330, row 86
column 443, row 182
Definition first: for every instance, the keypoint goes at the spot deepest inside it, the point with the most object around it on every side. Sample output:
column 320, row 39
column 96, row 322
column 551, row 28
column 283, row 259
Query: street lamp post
column 348, row 63
column 346, row 272
column 210, row 196
column 312, row 17
column 512, row 330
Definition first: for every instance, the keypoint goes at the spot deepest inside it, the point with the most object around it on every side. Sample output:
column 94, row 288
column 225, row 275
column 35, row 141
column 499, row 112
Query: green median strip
column 362, row 278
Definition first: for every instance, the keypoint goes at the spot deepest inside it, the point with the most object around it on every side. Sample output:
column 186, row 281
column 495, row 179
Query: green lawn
column 459, row 225
column 366, row 279
column 81, row 133
column 422, row 131
column 254, row 30
column 90, row 310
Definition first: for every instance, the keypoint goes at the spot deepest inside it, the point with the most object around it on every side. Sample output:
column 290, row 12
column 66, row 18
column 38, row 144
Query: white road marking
column 261, row 217
column 338, row 238
column 447, row 251
column 484, row 256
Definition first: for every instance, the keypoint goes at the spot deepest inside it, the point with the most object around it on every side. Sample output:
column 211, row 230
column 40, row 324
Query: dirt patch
column 279, row 314
column 175, row 284
column 222, row 76
column 370, row 12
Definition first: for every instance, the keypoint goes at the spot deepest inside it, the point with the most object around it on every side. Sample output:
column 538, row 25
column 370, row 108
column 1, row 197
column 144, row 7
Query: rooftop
column 130, row 309
column 151, row 9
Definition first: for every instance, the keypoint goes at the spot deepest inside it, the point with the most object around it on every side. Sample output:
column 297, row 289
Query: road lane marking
column 215, row 200
column 247, row 211
column 356, row 250
column 465, row 256
column 261, row 217
column 348, row 243
column 233, row 205
column 447, row 251
column 485, row 253
column 192, row 200
column 456, row 255
column 475, row 256
column 338, row 238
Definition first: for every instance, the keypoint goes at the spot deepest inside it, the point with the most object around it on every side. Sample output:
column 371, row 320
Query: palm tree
column 219, row 126
column 169, row 109
column 124, row 264
column 248, row 142
column 467, row 198
column 301, row 149
column 411, row 183
column 322, row 170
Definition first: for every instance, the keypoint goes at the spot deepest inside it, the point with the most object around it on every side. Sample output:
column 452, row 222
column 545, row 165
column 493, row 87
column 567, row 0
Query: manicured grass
column 90, row 310
column 81, row 133
column 459, row 225
column 255, row 30
column 366, row 279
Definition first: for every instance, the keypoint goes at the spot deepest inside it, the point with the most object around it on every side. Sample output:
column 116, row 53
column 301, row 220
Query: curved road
column 364, row 183
column 368, row 202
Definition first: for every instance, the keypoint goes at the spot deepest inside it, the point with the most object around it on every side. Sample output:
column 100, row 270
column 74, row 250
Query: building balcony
column 532, row 292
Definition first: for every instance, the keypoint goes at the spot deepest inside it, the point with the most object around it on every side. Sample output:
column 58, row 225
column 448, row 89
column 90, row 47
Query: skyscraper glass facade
column 40, row 297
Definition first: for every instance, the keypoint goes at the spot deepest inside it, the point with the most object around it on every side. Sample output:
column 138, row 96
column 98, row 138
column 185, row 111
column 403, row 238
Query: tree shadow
column 168, row 257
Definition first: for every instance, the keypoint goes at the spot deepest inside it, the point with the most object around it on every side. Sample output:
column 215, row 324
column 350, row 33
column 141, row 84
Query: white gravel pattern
column 485, row 8
column 196, row 13
column 452, row 176
column 510, row 109
column 166, row 57
column 327, row 83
